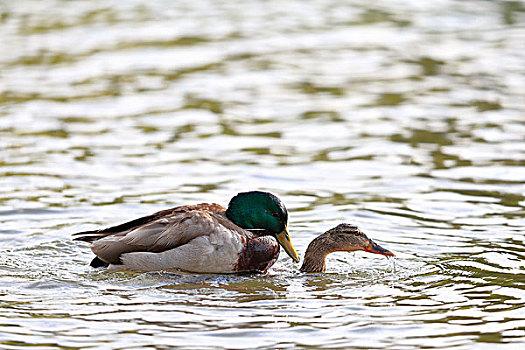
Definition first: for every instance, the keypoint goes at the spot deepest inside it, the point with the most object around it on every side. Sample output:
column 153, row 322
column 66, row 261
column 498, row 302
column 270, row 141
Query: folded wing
column 159, row 232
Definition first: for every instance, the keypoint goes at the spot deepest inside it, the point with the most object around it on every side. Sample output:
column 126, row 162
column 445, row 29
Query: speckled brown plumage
column 343, row 237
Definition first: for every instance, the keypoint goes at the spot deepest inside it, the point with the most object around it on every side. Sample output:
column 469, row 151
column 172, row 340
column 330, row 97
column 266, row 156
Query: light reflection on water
column 405, row 118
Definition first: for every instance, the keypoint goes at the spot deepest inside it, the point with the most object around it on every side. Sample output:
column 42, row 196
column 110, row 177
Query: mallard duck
column 206, row 238
column 344, row 237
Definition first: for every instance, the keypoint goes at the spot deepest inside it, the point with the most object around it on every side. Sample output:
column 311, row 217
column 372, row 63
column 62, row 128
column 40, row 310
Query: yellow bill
column 286, row 243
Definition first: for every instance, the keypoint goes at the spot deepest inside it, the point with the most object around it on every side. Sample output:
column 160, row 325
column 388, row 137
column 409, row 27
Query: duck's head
column 262, row 210
column 344, row 237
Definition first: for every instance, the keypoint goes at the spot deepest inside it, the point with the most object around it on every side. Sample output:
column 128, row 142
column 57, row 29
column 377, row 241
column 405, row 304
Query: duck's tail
column 90, row 236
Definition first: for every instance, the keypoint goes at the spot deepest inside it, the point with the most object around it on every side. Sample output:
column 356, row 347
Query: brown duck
column 344, row 237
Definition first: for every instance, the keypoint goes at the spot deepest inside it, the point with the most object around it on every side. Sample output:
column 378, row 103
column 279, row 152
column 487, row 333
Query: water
column 406, row 118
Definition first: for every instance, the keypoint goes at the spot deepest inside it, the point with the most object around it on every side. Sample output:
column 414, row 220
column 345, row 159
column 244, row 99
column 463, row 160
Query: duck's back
column 123, row 229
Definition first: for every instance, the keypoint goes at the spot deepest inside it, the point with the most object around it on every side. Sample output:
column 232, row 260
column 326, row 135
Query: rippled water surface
column 406, row 118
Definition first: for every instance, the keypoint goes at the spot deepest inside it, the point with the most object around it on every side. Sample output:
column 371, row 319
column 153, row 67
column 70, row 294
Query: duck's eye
column 354, row 232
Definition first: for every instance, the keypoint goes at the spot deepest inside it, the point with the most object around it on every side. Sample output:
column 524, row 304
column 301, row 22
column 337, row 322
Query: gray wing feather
column 157, row 236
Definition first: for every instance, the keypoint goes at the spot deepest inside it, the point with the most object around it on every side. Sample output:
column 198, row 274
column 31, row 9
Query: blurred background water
column 406, row 118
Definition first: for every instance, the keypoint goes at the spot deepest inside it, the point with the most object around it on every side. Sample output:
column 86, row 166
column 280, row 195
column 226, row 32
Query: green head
column 262, row 210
